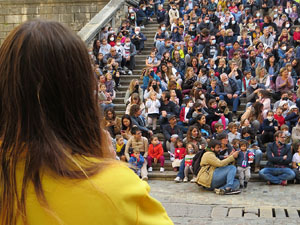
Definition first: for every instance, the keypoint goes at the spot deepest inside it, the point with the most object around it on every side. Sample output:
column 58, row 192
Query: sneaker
column 178, row 180
column 129, row 72
column 185, row 179
column 162, row 169
column 150, row 169
column 193, row 180
column 172, row 158
column 145, row 178
column 125, row 68
column 142, row 26
column 219, row 191
column 231, row 192
column 284, row 183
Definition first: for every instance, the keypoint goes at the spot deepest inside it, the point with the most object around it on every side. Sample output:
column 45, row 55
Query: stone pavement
column 189, row 204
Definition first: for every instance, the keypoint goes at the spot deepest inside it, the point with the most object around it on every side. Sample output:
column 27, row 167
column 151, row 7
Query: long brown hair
column 49, row 113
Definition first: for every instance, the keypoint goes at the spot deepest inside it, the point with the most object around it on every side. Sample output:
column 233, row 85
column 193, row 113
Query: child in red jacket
column 296, row 35
column 278, row 116
column 179, row 153
column 156, row 154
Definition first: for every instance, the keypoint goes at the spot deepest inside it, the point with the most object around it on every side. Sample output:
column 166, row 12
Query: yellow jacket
column 209, row 163
column 115, row 196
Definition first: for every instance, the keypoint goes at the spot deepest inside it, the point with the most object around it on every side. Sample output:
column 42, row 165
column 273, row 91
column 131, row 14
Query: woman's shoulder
column 110, row 197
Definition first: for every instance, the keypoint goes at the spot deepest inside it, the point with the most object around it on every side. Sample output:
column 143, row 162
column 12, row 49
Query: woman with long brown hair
column 56, row 160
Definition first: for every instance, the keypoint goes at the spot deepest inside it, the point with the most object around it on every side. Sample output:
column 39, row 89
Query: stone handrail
column 111, row 15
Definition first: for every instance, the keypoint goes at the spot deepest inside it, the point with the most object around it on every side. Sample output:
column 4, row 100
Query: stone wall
column 73, row 13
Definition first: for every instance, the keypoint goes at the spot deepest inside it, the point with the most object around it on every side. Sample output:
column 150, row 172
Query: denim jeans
column 233, row 101
column 223, row 177
column 277, row 175
column 258, row 156
column 181, row 169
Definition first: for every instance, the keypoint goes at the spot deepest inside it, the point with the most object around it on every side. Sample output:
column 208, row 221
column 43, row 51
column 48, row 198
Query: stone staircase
column 149, row 31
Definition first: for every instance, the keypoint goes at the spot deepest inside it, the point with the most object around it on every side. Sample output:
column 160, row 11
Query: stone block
column 13, row 19
column 198, row 211
column 93, row 8
column 7, row 27
column 84, row 9
column 266, row 212
column 251, row 215
column 30, row 10
column 280, row 213
column 66, row 18
column 3, row 34
column 235, row 212
column 1, row 19
column 15, row 10
column 82, row 17
column 219, row 212
column 293, row 213
column 176, row 210
column 75, row 9
column 46, row 10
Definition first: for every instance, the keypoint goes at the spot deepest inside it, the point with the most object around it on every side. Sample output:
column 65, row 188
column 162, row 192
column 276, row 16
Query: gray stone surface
column 189, row 204
column 73, row 13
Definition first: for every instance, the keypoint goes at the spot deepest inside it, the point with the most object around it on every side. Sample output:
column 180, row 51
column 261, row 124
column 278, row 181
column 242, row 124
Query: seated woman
column 126, row 127
column 194, row 136
column 112, row 122
column 134, row 87
column 153, row 85
column 135, row 100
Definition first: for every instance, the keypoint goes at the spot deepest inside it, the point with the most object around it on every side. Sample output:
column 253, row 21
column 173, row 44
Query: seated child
column 243, row 164
column 137, row 161
column 188, row 160
column 219, row 128
column 269, row 127
column 120, row 147
column 232, row 127
column 235, row 144
column 248, row 135
column 179, row 154
column 285, row 129
column 279, row 117
column 155, row 153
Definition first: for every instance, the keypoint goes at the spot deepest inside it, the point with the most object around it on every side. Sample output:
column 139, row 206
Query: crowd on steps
column 207, row 56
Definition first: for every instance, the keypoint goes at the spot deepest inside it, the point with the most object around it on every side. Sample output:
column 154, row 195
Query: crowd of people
column 207, row 56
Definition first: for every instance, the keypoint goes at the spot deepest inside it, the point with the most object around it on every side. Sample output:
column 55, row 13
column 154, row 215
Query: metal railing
column 111, row 15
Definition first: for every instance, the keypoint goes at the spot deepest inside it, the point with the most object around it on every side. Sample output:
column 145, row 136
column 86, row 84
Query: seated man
column 279, row 155
column 167, row 108
column 140, row 144
column 229, row 92
column 216, row 174
column 169, row 130
column 138, row 39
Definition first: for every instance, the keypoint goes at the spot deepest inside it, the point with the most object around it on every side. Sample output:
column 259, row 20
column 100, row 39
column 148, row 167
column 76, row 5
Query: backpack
column 196, row 161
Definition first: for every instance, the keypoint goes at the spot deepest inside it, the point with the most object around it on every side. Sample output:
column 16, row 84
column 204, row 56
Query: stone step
column 171, row 175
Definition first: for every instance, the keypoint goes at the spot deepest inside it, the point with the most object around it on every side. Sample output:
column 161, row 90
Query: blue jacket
column 275, row 159
column 138, row 163
column 241, row 157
